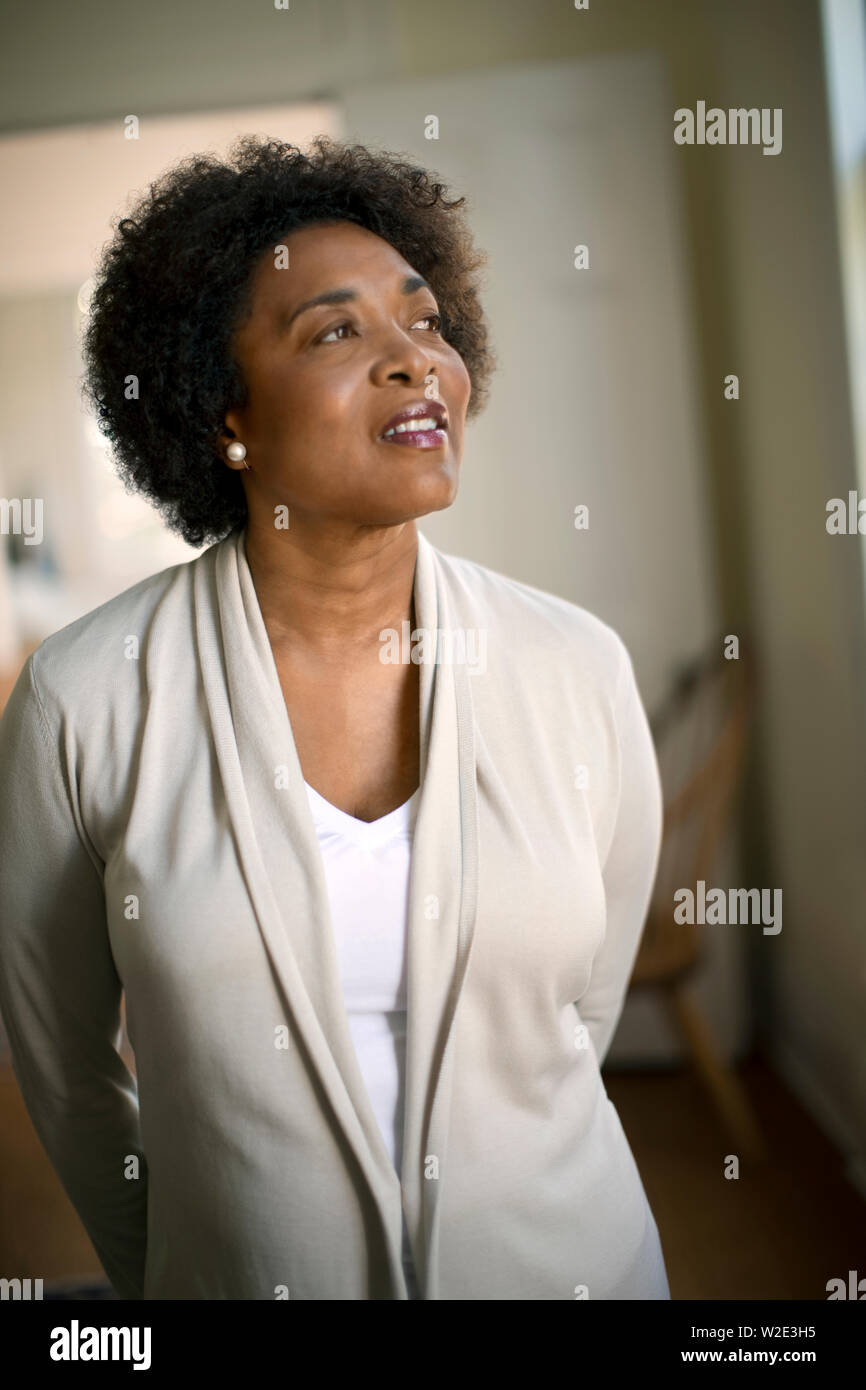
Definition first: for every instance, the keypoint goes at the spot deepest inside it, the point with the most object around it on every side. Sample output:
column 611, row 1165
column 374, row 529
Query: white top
column 367, row 872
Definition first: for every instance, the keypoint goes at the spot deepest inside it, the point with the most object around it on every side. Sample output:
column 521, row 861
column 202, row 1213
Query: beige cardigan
column 155, row 837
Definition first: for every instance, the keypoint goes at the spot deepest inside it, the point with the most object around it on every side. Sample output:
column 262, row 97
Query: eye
column 334, row 335
column 336, row 329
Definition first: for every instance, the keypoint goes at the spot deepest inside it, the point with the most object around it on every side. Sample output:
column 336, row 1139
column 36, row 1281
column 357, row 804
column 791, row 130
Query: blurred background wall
column 707, row 515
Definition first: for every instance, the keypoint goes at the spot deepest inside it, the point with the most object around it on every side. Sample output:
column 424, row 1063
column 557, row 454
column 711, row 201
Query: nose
column 403, row 358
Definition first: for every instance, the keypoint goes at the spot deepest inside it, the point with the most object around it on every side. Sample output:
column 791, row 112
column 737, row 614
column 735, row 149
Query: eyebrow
column 410, row 285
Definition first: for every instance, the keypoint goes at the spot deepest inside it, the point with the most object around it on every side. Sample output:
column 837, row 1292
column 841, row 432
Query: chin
column 415, row 497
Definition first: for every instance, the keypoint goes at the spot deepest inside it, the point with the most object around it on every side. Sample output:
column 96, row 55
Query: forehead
column 325, row 256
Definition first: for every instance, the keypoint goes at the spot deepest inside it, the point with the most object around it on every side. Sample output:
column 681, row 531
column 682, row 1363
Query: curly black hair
column 176, row 281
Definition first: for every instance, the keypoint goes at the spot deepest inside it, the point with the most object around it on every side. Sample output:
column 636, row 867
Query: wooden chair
column 700, row 735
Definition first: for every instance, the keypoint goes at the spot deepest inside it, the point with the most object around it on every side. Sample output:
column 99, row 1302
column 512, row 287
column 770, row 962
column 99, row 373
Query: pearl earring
column 237, row 452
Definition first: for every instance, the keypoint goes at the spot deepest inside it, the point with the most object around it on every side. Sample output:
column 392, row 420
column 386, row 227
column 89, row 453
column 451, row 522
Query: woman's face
column 325, row 379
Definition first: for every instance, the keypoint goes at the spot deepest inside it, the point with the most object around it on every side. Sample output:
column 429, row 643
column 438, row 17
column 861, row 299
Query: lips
column 421, row 425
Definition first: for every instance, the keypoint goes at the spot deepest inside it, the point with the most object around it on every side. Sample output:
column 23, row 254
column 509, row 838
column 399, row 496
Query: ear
column 233, row 427
column 227, row 435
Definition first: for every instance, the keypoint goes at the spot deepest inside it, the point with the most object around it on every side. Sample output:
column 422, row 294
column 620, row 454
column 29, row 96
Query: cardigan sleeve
column 60, row 994
column 630, row 865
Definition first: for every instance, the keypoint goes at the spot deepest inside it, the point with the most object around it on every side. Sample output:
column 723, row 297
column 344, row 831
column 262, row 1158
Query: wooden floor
column 780, row 1231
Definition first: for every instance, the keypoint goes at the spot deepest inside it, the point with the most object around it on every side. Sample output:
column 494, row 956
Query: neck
column 328, row 591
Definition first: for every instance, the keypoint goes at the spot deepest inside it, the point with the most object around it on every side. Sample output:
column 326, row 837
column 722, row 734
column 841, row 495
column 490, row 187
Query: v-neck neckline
column 364, row 832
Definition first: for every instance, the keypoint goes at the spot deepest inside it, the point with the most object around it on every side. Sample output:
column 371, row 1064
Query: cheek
column 458, row 381
column 310, row 402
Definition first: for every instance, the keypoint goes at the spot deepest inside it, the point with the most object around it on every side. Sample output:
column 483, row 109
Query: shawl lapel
column 269, row 811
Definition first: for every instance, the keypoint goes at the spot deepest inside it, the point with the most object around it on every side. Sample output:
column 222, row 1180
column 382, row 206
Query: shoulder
column 523, row 619
column 84, row 659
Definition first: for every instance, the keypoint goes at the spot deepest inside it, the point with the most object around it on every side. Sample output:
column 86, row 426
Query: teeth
column 427, row 423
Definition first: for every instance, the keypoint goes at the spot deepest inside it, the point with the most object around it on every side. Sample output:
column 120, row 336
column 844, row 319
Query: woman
column 357, row 1075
